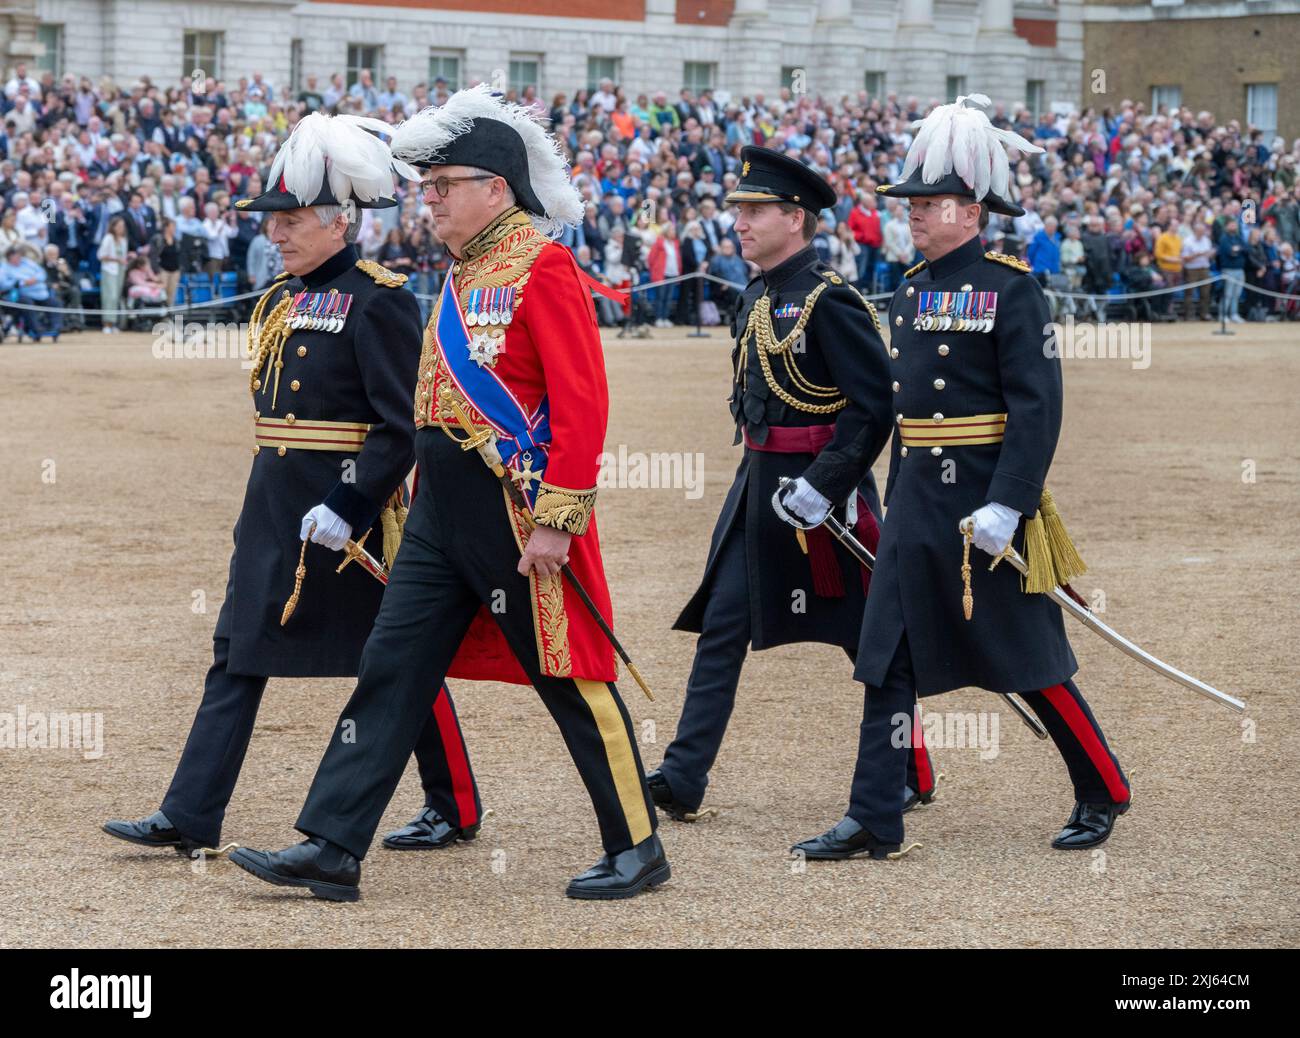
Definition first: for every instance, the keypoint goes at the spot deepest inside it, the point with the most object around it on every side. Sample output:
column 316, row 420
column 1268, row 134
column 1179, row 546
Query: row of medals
column 944, row 323
column 317, row 324
column 488, row 317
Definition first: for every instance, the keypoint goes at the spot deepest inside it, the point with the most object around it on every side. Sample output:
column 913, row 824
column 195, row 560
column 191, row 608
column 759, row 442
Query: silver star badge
column 484, row 348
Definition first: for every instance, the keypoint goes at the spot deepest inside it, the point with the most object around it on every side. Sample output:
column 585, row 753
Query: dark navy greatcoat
column 842, row 348
column 364, row 373
column 1015, row 641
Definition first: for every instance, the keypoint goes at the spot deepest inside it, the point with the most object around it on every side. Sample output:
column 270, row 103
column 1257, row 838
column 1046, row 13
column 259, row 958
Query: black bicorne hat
column 495, row 146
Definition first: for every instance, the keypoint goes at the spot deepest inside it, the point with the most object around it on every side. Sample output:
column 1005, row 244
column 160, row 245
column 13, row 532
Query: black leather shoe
column 624, row 874
column 154, row 831
column 911, row 798
column 324, row 868
column 661, row 793
column 846, row 840
column 428, row 831
column 1089, row 825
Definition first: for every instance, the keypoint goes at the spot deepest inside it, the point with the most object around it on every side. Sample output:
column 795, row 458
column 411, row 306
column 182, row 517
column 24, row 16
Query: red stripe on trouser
column 453, row 745
column 924, row 777
column 1064, row 704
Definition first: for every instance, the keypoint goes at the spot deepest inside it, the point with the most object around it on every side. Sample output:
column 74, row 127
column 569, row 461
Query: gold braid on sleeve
column 563, row 509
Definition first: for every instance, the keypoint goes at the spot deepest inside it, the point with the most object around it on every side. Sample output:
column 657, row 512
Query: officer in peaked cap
column 811, row 402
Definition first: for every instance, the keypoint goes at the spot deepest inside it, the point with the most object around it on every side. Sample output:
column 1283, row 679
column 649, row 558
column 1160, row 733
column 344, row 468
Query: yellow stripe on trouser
column 618, row 751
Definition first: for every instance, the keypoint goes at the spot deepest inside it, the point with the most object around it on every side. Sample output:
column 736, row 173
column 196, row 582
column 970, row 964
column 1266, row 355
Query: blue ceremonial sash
column 519, row 434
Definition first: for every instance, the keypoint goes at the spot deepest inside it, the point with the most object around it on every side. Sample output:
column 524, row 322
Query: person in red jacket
column 478, row 588
column 864, row 222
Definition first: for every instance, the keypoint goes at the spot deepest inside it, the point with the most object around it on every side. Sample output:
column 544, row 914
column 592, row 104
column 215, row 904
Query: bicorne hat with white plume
column 328, row 160
column 474, row 127
column 957, row 151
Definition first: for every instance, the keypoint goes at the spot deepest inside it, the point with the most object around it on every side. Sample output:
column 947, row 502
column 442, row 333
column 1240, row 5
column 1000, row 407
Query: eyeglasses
column 443, row 184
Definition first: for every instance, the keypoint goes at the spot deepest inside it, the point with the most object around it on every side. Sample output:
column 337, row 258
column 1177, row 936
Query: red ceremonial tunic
column 552, row 348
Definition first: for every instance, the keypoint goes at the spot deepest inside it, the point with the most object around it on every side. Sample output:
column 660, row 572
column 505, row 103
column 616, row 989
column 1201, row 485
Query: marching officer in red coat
column 512, row 365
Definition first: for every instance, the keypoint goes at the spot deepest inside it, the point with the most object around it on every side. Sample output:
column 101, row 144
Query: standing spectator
column 898, row 250
column 165, row 252
column 263, row 261
column 864, row 222
column 1197, row 251
column 1044, row 252
column 1231, row 255
column 1097, row 266
column 31, row 222
column 140, row 223
column 65, row 293
column 1169, row 261
column 665, row 262
column 219, row 230
column 112, row 252
column 844, row 252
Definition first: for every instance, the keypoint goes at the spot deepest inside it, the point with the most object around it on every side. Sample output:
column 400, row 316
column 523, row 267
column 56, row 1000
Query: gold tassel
column 1049, row 553
column 393, row 520
column 298, row 576
column 392, row 535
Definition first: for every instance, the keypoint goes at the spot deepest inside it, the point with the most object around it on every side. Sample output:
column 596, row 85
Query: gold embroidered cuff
column 561, row 509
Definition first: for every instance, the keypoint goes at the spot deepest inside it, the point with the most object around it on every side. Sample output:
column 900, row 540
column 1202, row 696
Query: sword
column 1076, row 608
column 860, row 552
column 356, row 553
column 484, row 441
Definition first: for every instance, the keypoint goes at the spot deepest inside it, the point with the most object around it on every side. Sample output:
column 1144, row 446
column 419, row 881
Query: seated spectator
column 25, row 279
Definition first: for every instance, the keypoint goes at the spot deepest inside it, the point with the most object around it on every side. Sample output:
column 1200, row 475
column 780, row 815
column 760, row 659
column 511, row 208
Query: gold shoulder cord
column 266, row 335
column 759, row 328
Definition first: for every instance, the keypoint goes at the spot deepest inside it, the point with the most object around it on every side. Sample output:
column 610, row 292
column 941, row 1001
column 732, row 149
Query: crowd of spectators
column 119, row 195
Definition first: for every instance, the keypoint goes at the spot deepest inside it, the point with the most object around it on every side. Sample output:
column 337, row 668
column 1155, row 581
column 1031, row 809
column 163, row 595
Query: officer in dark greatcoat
column 335, row 345
column 811, row 402
column 486, row 584
column 977, row 397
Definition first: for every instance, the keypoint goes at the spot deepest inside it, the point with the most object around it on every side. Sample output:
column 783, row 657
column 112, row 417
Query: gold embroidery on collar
column 487, row 239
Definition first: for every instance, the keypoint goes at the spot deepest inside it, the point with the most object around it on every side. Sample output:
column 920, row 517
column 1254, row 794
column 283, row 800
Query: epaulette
column 381, row 274
column 832, row 277
column 1011, row 261
column 870, row 307
column 915, row 270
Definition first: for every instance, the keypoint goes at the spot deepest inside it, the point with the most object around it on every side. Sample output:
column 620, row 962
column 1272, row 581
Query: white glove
column 331, row 531
column 995, row 525
column 806, row 503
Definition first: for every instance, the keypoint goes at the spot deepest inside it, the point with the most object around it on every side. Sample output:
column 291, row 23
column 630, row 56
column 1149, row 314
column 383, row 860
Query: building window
column 874, row 84
column 698, row 76
column 1035, row 96
column 202, row 52
column 445, row 64
column 525, row 72
column 603, row 68
column 956, row 87
column 51, row 37
column 295, row 66
column 365, row 56
column 1166, row 96
column 1261, row 107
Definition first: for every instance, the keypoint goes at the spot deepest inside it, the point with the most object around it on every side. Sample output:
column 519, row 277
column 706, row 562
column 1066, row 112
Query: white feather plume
column 424, row 136
column 958, row 138
column 356, row 162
